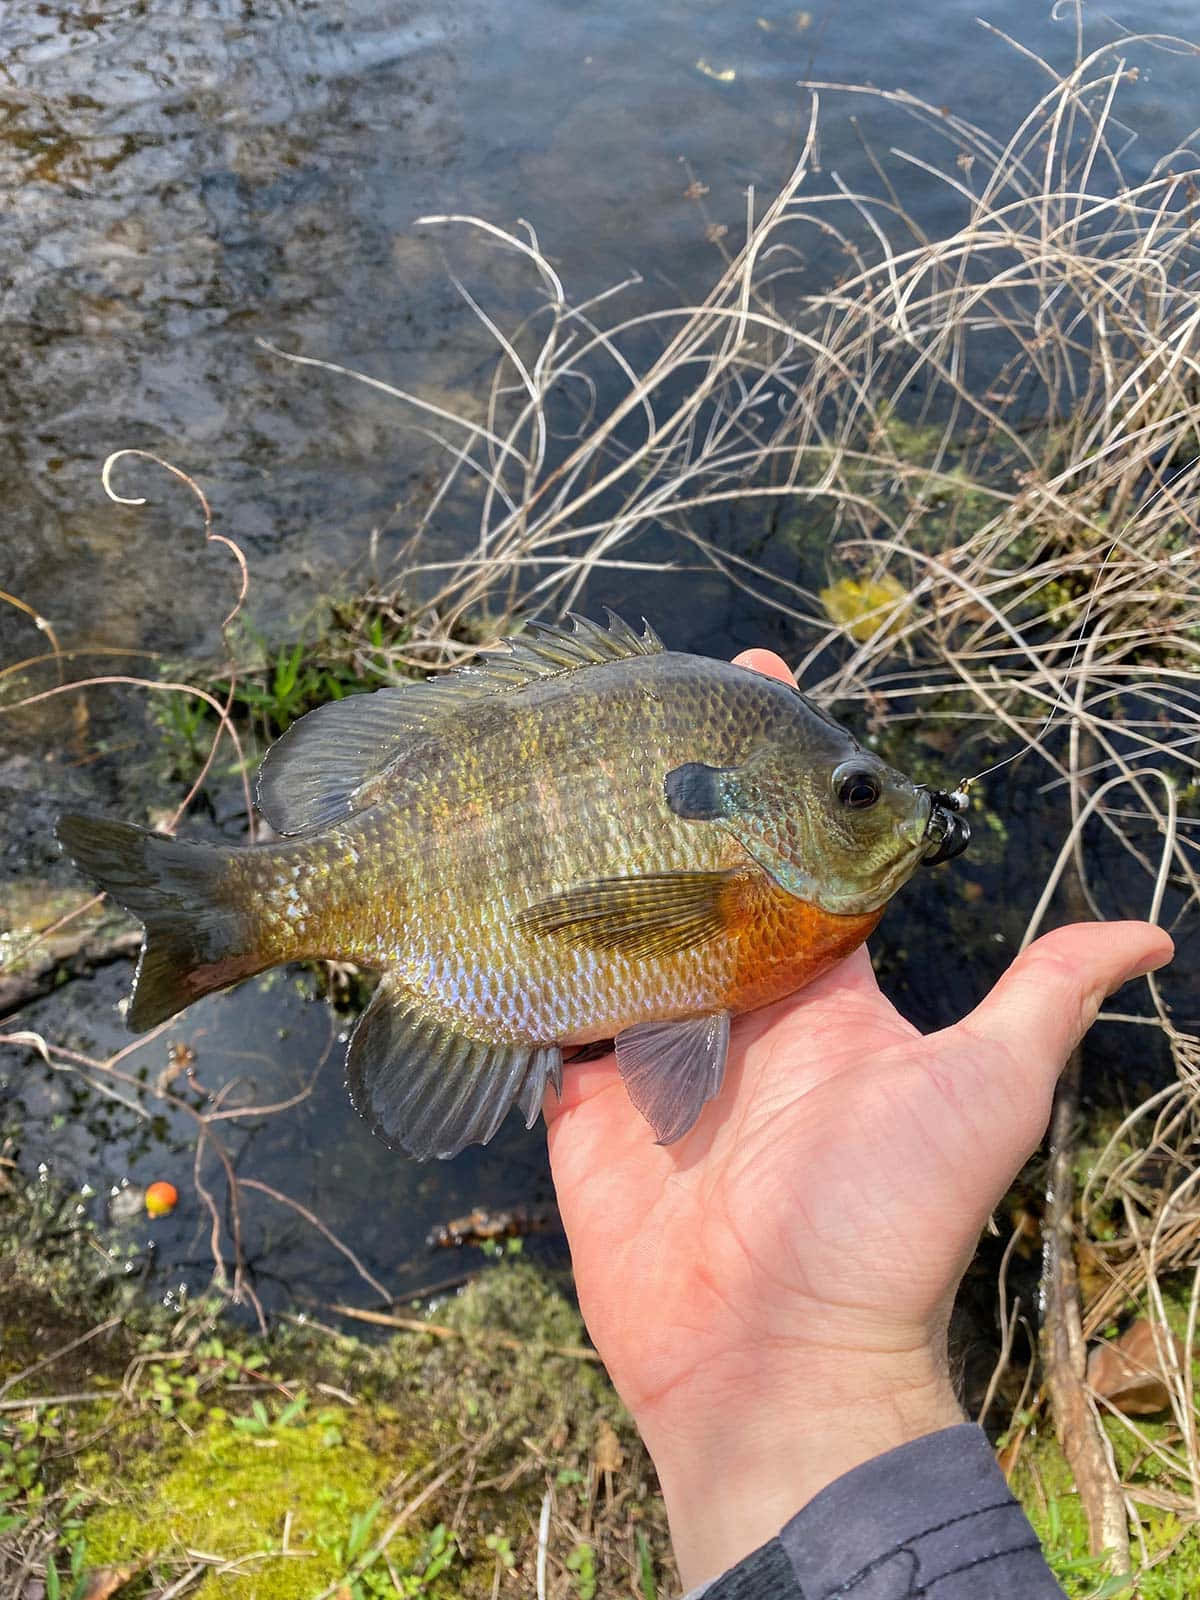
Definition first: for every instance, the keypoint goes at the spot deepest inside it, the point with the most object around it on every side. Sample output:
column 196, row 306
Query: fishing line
column 957, row 799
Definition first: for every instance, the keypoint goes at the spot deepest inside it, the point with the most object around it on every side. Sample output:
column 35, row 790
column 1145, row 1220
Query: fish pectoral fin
column 672, row 1069
column 657, row 914
column 429, row 1090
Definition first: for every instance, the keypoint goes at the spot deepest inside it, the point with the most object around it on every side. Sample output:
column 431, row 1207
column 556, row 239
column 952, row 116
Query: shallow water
column 180, row 181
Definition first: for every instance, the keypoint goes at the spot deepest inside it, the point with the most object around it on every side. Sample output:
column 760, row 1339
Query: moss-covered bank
column 140, row 1450
column 307, row 1462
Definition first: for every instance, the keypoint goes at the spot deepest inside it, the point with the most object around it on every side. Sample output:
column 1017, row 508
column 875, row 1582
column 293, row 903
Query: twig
column 543, row 1543
column 57, row 1355
column 40, row 1401
column 323, row 1229
column 181, row 1585
column 385, row 1319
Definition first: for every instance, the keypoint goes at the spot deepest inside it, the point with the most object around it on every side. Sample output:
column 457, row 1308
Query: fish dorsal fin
column 327, row 765
column 430, row 1091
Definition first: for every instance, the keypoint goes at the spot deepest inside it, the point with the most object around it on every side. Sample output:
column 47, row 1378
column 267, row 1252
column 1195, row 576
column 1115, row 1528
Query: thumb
column 766, row 662
column 1048, row 999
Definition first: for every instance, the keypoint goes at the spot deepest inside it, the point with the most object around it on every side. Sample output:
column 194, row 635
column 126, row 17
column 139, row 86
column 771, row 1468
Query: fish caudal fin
column 197, row 940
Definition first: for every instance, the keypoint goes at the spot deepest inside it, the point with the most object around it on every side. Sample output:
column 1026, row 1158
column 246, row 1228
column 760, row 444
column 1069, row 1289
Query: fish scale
column 589, row 837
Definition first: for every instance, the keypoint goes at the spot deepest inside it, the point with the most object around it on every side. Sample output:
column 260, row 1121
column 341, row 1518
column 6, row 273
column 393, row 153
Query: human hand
column 771, row 1295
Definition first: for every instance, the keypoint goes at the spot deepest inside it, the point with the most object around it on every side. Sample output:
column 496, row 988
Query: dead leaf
column 1128, row 1371
column 101, row 1583
column 607, row 1455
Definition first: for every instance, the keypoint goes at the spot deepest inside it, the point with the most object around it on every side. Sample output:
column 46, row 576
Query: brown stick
column 439, row 1330
column 1063, row 1348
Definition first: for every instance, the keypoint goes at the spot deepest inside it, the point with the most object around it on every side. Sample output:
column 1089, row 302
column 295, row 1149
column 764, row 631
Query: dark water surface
column 180, row 179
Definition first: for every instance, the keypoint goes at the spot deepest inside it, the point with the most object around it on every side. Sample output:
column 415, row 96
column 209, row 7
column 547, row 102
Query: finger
column 1048, row 999
column 766, row 662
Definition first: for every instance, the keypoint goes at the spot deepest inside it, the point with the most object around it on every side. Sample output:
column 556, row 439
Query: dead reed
column 995, row 436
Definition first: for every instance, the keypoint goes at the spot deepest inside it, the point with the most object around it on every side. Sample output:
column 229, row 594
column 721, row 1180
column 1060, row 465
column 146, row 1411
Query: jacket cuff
column 933, row 1518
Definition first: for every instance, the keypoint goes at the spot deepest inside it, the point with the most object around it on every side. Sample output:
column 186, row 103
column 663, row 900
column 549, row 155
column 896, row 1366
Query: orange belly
column 782, row 943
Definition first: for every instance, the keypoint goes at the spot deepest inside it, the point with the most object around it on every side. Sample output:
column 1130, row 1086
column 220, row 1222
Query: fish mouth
column 947, row 833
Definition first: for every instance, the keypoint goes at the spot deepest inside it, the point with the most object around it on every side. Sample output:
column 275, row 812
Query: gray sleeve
column 932, row 1520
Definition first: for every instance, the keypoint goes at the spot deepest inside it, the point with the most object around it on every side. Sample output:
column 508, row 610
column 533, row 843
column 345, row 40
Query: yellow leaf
column 863, row 605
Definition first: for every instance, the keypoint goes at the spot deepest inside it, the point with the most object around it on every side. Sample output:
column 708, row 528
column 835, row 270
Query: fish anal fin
column 655, row 914
column 430, row 1090
column 672, row 1069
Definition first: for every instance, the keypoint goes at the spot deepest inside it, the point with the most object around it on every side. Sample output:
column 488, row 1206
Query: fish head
column 829, row 820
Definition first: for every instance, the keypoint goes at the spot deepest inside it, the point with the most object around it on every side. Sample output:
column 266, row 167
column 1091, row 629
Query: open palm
column 770, row 1295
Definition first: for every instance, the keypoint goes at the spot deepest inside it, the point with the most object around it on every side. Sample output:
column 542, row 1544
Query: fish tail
column 198, row 937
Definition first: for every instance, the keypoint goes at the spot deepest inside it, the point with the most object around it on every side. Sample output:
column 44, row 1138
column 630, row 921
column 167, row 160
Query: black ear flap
column 696, row 791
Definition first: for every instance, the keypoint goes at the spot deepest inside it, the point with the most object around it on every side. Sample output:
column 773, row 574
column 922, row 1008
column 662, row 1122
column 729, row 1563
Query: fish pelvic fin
column 673, row 1069
column 197, row 939
column 429, row 1090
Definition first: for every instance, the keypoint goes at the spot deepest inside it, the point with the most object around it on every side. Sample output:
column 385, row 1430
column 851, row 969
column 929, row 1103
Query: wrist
column 737, row 1461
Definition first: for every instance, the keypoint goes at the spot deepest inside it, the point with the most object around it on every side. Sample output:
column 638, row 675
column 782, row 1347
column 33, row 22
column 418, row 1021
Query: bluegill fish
column 586, row 837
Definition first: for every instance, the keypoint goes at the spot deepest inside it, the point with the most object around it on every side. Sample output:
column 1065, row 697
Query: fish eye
column 856, row 788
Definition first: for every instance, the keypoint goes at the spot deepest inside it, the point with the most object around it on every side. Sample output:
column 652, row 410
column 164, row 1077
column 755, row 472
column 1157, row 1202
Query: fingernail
column 1149, row 963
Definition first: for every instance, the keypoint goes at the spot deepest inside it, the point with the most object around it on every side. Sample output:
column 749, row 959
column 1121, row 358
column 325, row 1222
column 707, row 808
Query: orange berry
column 161, row 1199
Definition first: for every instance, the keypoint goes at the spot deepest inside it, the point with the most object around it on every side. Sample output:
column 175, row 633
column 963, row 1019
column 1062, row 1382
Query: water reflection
column 176, row 184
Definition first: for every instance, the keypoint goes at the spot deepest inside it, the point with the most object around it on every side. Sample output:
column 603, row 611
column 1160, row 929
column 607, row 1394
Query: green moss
column 190, row 1475
column 192, row 1443
column 1043, row 1483
column 231, row 1494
